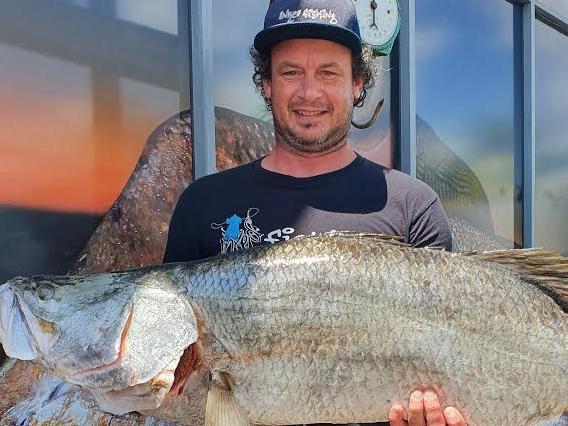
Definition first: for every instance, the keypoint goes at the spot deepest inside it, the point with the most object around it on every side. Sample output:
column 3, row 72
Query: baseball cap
column 333, row 20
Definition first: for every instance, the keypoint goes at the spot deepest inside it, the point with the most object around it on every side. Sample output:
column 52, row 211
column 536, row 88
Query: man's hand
column 424, row 410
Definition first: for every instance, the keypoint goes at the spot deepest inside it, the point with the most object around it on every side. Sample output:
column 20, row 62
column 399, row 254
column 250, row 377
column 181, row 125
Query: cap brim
column 267, row 38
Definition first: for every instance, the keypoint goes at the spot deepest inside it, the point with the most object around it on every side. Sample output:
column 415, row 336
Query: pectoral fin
column 222, row 409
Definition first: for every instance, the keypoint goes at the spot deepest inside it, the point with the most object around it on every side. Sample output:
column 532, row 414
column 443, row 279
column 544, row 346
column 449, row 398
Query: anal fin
column 222, row 409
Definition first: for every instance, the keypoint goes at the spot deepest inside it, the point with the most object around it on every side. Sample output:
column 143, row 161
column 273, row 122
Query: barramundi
column 335, row 328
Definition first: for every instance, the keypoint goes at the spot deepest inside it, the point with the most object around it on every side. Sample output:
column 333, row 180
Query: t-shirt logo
column 236, row 237
column 232, row 230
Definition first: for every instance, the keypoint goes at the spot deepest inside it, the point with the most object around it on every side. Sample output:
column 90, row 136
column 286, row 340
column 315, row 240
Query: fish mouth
column 22, row 334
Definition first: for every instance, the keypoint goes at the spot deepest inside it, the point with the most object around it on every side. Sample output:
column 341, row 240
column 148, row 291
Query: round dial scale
column 379, row 23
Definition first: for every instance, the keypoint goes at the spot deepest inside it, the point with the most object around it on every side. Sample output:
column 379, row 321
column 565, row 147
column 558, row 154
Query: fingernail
column 416, row 396
column 396, row 409
column 450, row 412
column 429, row 396
column 396, row 413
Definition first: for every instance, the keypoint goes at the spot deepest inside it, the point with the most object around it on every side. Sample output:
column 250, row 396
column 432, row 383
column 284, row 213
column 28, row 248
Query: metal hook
column 373, row 117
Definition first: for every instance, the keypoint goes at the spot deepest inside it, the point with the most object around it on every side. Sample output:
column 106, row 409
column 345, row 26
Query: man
column 311, row 70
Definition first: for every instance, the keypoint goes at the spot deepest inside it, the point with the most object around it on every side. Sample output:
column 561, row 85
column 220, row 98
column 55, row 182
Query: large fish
column 329, row 328
column 130, row 237
column 468, row 237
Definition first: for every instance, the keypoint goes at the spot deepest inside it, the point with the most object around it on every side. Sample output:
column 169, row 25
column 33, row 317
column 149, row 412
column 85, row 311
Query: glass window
column 237, row 102
column 551, row 209
column 377, row 142
column 82, row 85
column 80, row 3
column 145, row 12
column 464, row 103
column 557, row 6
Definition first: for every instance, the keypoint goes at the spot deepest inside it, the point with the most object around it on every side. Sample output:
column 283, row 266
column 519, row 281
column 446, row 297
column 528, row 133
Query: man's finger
column 396, row 416
column 416, row 409
column 454, row 417
column 434, row 416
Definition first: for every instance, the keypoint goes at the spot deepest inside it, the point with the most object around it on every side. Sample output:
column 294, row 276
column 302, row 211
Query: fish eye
column 45, row 291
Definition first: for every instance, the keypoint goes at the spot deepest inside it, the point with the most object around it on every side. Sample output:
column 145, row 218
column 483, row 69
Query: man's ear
column 267, row 86
column 357, row 87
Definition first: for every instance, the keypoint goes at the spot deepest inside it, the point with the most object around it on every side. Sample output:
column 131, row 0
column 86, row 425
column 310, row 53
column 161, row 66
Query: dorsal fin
column 385, row 238
column 393, row 239
column 546, row 267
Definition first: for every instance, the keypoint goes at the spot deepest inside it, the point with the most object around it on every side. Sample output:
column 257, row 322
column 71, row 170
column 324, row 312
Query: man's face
column 312, row 93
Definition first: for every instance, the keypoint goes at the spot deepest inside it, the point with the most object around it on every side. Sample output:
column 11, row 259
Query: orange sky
column 52, row 156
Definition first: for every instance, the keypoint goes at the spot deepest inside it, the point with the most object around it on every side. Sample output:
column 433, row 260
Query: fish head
column 66, row 324
column 104, row 331
column 23, row 330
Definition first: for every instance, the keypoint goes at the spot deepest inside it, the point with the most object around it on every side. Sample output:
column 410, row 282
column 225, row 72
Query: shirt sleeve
column 430, row 227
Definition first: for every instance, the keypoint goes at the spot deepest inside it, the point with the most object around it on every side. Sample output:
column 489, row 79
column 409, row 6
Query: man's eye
column 291, row 73
column 328, row 73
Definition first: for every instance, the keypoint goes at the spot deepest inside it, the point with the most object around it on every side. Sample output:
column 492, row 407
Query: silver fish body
column 336, row 328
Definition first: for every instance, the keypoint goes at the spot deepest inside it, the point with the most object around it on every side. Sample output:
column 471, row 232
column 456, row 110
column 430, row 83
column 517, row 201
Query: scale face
column 379, row 23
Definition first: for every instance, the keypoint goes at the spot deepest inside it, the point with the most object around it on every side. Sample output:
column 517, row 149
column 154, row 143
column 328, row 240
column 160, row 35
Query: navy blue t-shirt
column 248, row 206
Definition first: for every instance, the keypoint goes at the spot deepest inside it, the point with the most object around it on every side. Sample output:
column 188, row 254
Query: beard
column 334, row 138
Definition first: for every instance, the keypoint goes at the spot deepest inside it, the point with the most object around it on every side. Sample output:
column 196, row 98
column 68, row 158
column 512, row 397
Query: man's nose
column 310, row 88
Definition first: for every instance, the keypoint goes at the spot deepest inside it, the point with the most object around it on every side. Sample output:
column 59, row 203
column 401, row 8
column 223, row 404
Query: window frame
column 525, row 13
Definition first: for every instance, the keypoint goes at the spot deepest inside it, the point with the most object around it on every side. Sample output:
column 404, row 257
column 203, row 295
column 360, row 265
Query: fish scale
column 337, row 327
column 378, row 341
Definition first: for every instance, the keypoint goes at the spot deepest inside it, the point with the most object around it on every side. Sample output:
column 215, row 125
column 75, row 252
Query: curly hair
column 362, row 65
